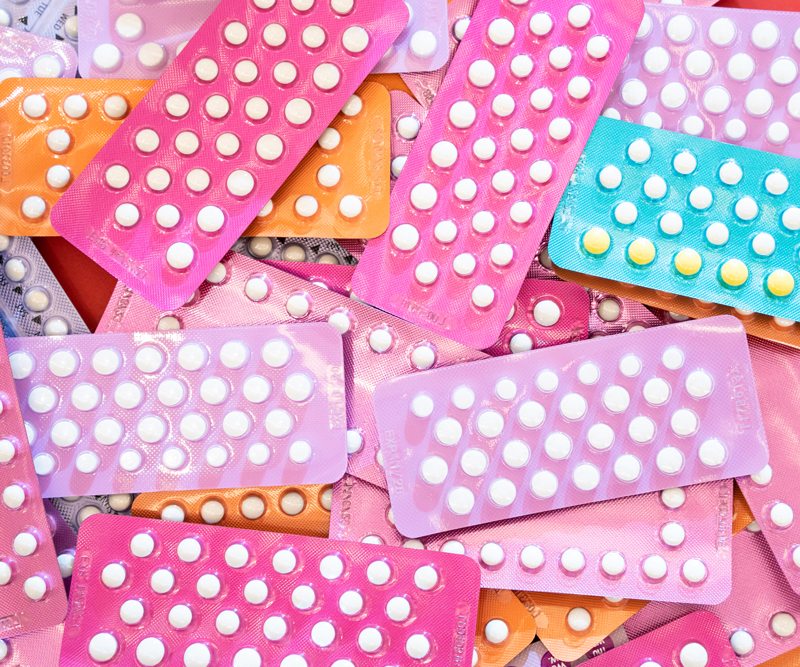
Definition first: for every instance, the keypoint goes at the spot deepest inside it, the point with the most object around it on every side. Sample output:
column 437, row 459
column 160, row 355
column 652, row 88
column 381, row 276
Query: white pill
column 521, row 66
column 423, row 196
column 35, row 106
column 674, row 95
column 151, row 55
column 500, row 32
column 758, row 102
column 742, row 642
column 627, row 468
column 573, row 560
column 684, row 422
column 598, row 47
column 106, row 57
column 541, row 99
column 481, row 73
column 351, row 603
column 113, row 575
column 781, row 515
column 103, row 646
column 532, row 557
column 613, row 563
column 610, row 177
column 496, row 631
column 764, row 35
column 173, row 458
column 673, row 534
column 655, row 567
column 633, row 93
column 776, row 183
column 783, row 624
column 117, row 176
column 162, row 581
column 42, row 399
column 560, row 57
column 180, row 255
column 397, row 165
column 656, row 60
column 693, row 655
column 462, row 114
column 460, row 500
column 559, row 129
column 586, row 477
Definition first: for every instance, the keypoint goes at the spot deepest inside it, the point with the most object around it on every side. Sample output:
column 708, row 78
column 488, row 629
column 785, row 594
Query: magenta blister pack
column 598, row 419
column 669, row 545
column 23, row 54
column 407, row 119
column 41, row 648
column 423, row 45
column 730, row 75
column 173, row 593
column 194, row 409
column 490, row 164
column 217, row 134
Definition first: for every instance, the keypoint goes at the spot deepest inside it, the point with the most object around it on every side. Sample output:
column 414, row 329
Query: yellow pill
column 688, row 262
column 641, row 251
column 780, row 283
column 733, row 272
column 596, row 241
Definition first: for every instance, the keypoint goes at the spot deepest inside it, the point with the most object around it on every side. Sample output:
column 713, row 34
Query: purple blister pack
column 604, row 418
column 41, row 648
column 218, row 133
column 407, row 119
column 491, row 162
column 730, row 75
column 251, row 598
column 195, row 409
column 422, row 46
column 25, row 55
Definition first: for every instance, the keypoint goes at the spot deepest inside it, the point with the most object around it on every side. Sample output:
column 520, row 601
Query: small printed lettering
column 347, row 499
column 120, row 257
column 7, row 148
column 740, row 397
column 337, row 416
column 392, row 462
column 460, row 640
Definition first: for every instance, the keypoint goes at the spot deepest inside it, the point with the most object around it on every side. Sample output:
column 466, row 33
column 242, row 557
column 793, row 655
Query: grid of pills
column 24, row 54
column 407, row 119
column 76, row 509
column 217, row 134
column 254, row 598
column 126, row 413
column 683, row 215
column 569, row 425
column 422, row 45
column 731, row 76
column 486, row 172
column 293, row 249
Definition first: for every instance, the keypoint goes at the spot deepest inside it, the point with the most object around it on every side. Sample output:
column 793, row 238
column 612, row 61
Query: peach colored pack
column 742, row 514
column 504, row 627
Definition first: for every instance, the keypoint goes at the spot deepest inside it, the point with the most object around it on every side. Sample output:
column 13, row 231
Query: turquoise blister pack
column 684, row 215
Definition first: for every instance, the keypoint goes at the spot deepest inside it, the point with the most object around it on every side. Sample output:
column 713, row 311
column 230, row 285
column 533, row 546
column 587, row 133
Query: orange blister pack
column 297, row 510
column 742, row 515
column 340, row 189
column 50, row 130
column 504, row 627
column 788, row 659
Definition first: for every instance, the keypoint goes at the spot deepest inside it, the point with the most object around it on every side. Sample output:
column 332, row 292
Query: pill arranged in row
column 407, row 119
column 76, row 509
column 297, row 249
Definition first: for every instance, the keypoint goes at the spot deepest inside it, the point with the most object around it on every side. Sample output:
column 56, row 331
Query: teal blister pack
column 684, row 215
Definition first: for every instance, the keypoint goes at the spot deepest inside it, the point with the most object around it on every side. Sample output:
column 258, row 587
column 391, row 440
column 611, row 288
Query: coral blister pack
column 23, row 54
column 254, row 598
column 503, row 628
column 598, row 419
column 293, row 249
column 407, row 119
column 204, row 408
column 76, row 509
column 217, row 134
column 491, row 162
column 423, row 44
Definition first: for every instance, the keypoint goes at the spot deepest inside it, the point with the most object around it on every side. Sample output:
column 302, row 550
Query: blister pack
column 377, row 346
column 350, row 161
column 64, row 541
column 491, row 162
column 647, row 207
column 598, row 419
column 686, row 558
column 300, row 250
column 407, row 119
column 203, row 153
column 53, row 128
column 503, row 629
column 335, row 277
column 41, row 648
column 728, row 75
column 422, row 45
column 76, row 509
column 298, row 510
column 537, row 655
column 55, row 19
column 252, row 598
column 203, row 408
column 25, row 55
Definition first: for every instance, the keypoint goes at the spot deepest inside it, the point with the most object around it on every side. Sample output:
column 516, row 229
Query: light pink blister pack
column 670, row 545
column 492, row 160
column 25, row 55
column 377, row 346
column 422, row 46
column 217, row 134
column 41, row 648
column 335, row 277
column 725, row 74
column 173, row 593
column 64, row 541
column 407, row 119
column 604, row 418
column 194, row 409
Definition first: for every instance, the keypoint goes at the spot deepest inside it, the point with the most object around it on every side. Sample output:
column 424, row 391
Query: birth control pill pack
column 293, row 249
column 683, row 215
column 488, row 167
column 335, row 277
column 407, row 119
column 598, row 419
column 43, row 18
column 31, row 590
column 687, row 557
column 76, row 509
column 204, row 151
column 253, row 598
column 537, row 655
column 41, row 647
column 23, row 54
column 422, row 46
column 377, row 346
column 202, row 408
column 54, row 128
column 503, row 628
column 725, row 74
column 299, row 510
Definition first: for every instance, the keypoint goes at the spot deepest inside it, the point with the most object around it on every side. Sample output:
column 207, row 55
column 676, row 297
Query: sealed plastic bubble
column 377, row 346
column 683, row 215
column 184, row 188
column 76, row 509
column 727, row 75
column 294, row 249
column 347, row 169
column 25, row 55
column 422, row 46
column 55, row 129
column 41, row 647
column 209, row 408
column 492, row 160
column 298, row 510
column 537, row 655
column 64, row 541
column 503, row 628
column 251, row 598
column 407, row 119
column 334, row 277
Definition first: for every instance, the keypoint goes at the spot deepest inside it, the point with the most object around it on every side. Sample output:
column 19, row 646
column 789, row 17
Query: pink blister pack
column 64, row 541
column 41, row 648
column 669, row 545
column 217, row 134
column 335, row 277
column 604, row 418
column 25, row 55
column 730, row 75
column 407, row 119
column 195, row 409
column 423, row 45
column 377, row 346
column 491, row 162
column 172, row 593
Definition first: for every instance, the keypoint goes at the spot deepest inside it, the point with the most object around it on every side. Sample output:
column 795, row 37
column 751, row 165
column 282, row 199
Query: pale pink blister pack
column 422, row 45
column 335, row 277
column 217, row 134
column 164, row 592
column 64, row 541
column 194, row 409
column 730, row 75
column 598, row 419
column 670, row 545
column 407, row 119
column 41, row 648
column 25, row 55
column 491, row 162
column 376, row 346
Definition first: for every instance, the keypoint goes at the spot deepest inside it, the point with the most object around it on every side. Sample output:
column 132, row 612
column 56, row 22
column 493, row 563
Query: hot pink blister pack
column 377, row 346
column 196, row 595
column 604, row 418
column 670, row 545
column 491, row 163
column 194, row 409
column 730, row 75
column 422, row 46
column 217, row 134
column 25, row 55
column 407, row 119
column 41, row 648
